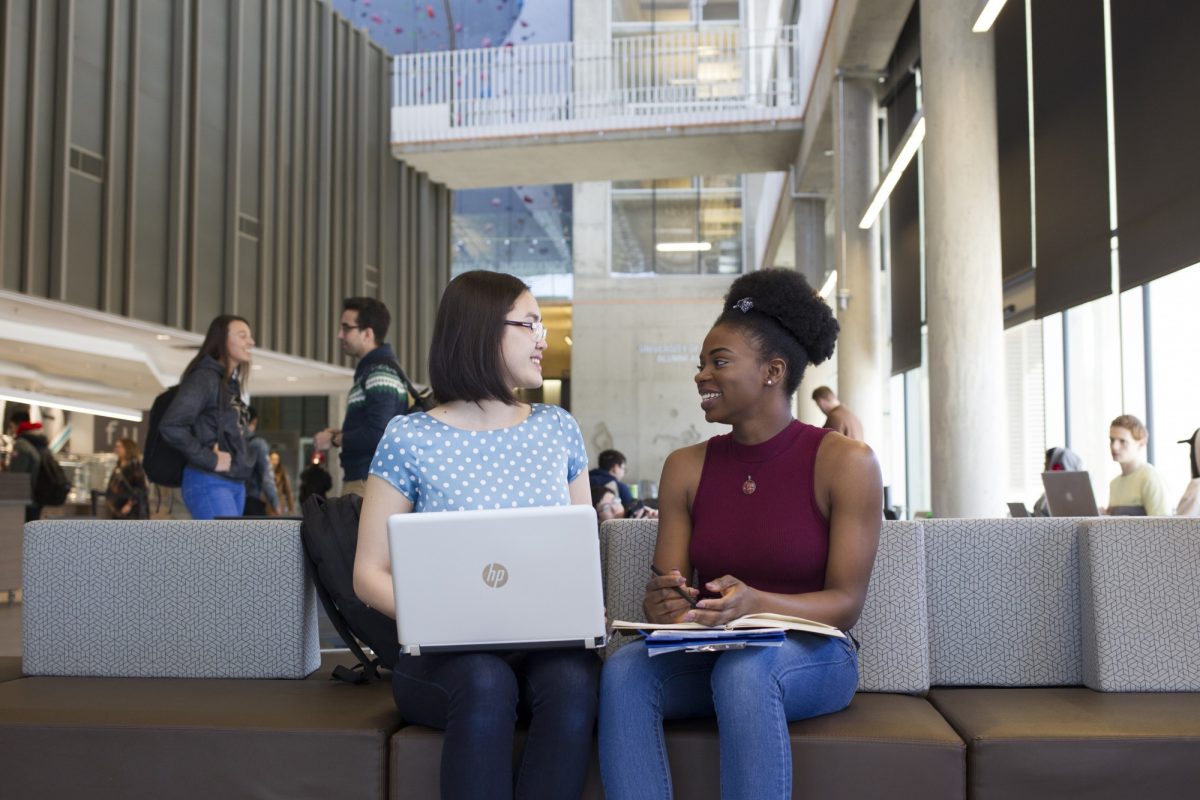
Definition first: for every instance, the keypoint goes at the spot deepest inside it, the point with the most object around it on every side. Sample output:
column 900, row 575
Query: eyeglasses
column 347, row 328
column 538, row 329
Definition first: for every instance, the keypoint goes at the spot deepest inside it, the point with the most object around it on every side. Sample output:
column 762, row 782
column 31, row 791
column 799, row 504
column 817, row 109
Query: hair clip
column 744, row 305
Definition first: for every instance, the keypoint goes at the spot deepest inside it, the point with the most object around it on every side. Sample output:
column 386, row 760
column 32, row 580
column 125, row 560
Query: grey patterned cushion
column 168, row 599
column 626, row 551
column 892, row 630
column 1003, row 602
column 894, row 627
column 1140, row 581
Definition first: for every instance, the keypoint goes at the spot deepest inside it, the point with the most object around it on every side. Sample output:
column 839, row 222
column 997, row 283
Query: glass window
column 1174, row 330
column 1055, row 407
column 895, row 478
column 522, row 230
column 1093, row 376
column 916, row 433
column 1026, row 397
column 674, row 12
column 678, row 226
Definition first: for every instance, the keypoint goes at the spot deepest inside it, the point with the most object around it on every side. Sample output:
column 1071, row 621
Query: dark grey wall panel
column 1156, row 118
column 1012, row 143
column 13, row 146
column 172, row 160
column 148, row 207
column 1070, row 155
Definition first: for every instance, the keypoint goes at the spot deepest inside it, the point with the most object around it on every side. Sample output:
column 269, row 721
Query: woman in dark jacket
column 207, row 418
column 128, row 492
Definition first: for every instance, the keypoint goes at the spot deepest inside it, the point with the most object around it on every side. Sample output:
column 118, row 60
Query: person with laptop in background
column 483, row 448
column 777, row 517
column 1138, row 490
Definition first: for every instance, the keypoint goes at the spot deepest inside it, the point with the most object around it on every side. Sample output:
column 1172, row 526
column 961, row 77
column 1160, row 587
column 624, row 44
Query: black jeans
column 476, row 698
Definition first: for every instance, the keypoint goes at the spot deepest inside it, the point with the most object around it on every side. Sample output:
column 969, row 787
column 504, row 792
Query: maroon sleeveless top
column 773, row 538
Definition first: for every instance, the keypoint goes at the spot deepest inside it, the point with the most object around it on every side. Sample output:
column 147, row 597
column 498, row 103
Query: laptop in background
column 509, row 579
column 1069, row 494
column 1017, row 510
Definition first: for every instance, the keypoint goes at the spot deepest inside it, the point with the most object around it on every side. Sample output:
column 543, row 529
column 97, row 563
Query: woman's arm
column 849, row 490
column 372, row 562
column 580, row 490
column 195, row 393
column 680, row 475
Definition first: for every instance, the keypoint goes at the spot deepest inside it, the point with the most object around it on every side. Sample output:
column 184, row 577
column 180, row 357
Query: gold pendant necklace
column 749, row 486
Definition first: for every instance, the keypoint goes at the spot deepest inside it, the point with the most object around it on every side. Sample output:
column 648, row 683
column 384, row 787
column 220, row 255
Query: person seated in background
column 1058, row 459
column 837, row 416
column 611, row 469
column 1189, row 504
column 606, row 502
column 1138, row 490
column 315, row 479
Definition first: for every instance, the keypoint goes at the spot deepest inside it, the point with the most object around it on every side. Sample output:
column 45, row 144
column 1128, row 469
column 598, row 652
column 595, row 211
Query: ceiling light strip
column 909, row 145
column 70, row 404
column 987, row 15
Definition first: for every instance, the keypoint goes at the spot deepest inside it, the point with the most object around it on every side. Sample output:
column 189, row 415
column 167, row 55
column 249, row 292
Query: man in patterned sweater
column 376, row 396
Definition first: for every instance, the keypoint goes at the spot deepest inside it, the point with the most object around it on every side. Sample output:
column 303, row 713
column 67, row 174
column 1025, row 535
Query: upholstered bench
column 889, row 742
column 195, row 738
column 1024, row 611
column 168, row 599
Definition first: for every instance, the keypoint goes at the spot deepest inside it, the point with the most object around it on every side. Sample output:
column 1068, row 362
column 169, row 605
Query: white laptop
column 1069, row 494
column 510, row 579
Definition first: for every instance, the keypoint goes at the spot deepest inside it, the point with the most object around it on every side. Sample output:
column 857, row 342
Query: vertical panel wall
column 171, row 160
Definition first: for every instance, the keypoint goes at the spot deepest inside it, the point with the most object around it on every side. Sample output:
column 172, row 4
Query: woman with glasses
column 483, row 448
column 774, row 516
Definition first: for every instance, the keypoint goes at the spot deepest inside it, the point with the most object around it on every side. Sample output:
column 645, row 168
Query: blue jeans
column 754, row 694
column 476, row 699
column 208, row 495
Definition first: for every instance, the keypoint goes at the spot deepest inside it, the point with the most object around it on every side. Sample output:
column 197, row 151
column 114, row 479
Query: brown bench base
column 1074, row 742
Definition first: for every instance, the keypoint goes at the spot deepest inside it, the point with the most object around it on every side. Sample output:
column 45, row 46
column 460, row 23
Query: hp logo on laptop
column 495, row 575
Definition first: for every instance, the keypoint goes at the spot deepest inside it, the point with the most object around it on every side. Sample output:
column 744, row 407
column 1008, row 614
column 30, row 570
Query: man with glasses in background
column 376, row 396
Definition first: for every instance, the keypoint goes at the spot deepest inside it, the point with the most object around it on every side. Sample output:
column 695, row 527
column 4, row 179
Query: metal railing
column 710, row 76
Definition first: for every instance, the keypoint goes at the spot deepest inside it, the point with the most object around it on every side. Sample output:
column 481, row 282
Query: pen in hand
column 678, row 590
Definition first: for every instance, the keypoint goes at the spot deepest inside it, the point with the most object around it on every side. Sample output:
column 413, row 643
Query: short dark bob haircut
column 465, row 359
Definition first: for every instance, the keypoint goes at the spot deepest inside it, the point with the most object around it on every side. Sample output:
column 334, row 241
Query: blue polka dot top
column 441, row 468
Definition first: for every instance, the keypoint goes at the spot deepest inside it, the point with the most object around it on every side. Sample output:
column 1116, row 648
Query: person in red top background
column 775, row 516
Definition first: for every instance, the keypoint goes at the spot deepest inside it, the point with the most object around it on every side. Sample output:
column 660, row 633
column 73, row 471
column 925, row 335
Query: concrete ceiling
column 63, row 351
column 860, row 40
column 615, row 155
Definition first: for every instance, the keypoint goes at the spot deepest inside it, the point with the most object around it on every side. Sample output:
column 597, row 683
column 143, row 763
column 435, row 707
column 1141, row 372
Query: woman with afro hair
column 775, row 516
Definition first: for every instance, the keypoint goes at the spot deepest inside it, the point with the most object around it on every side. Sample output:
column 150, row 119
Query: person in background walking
column 127, row 496
column 261, row 495
column 283, row 484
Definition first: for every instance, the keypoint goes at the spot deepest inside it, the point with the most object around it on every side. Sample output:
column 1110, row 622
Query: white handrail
column 720, row 75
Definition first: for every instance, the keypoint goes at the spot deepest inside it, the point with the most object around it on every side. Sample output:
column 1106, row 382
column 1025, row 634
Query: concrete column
column 856, row 172
column 808, row 216
column 962, row 262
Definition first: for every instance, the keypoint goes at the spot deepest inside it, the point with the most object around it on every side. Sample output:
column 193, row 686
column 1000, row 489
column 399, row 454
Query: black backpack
column 50, row 485
column 163, row 464
column 330, row 535
column 419, row 399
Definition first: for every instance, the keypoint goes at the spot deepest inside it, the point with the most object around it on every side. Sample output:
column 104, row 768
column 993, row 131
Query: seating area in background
column 1000, row 658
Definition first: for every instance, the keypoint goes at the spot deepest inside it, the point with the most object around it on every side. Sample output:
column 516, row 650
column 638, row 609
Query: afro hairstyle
column 783, row 317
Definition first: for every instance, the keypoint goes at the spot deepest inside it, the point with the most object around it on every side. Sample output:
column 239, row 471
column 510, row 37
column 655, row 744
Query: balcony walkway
column 701, row 102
